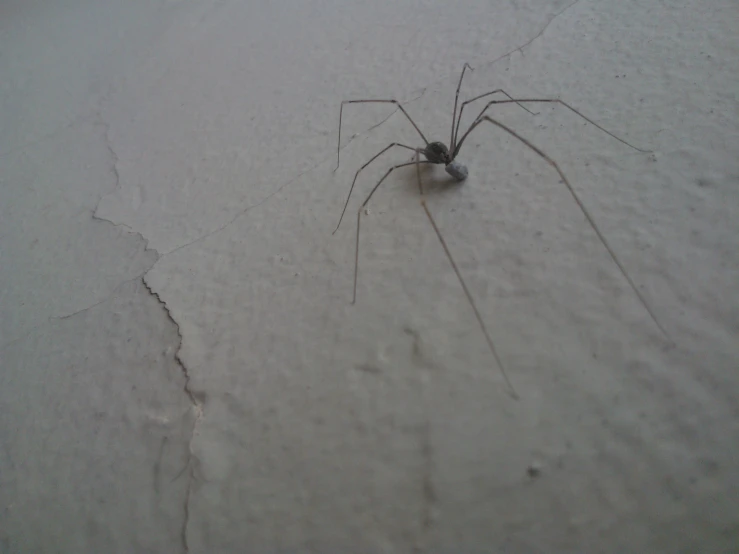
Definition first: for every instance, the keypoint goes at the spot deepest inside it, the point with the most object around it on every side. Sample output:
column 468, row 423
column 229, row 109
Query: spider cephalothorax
column 437, row 153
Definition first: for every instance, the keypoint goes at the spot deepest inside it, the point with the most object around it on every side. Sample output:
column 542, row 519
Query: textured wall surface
column 181, row 367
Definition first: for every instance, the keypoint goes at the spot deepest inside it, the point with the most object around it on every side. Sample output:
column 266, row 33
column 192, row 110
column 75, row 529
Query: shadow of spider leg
column 417, row 162
column 467, row 293
column 582, row 207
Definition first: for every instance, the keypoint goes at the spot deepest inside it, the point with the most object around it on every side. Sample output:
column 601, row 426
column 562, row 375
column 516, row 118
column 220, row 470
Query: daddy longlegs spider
column 438, row 153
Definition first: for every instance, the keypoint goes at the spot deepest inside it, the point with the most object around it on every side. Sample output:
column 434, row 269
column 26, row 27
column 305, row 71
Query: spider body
column 439, row 153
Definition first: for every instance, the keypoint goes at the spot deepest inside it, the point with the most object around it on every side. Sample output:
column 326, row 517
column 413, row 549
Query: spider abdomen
column 457, row 170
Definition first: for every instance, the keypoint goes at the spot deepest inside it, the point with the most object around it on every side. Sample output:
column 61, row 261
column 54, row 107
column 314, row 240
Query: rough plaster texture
column 181, row 367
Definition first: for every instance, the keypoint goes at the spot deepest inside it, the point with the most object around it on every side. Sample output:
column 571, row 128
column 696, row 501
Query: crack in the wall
column 186, row 506
column 529, row 42
column 197, row 406
column 197, row 403
column 114, row 170
column 108, row 297
column 245, row 210
column 491, row 63
column 285, row 184
column 190, row 394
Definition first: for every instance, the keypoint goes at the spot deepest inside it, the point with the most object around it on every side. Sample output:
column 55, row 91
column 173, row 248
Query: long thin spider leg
column 541, row 100
column 585, row 212
column 391, row 101
column 417, row 160
column 359, row 216
column 461, row 109
column 456, row 99
column 380, row 153
column 467, row 293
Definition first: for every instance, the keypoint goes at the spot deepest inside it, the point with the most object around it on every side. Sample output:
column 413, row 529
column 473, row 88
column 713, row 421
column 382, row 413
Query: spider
column 439, row 153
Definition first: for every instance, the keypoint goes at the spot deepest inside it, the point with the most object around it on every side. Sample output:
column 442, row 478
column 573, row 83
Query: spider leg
column 391, row 101
column 380, row 153
column 467, row 293
column 455, row 132
column 584, row 210
column 458, row 146
column 364, row 205
column 456, row 99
